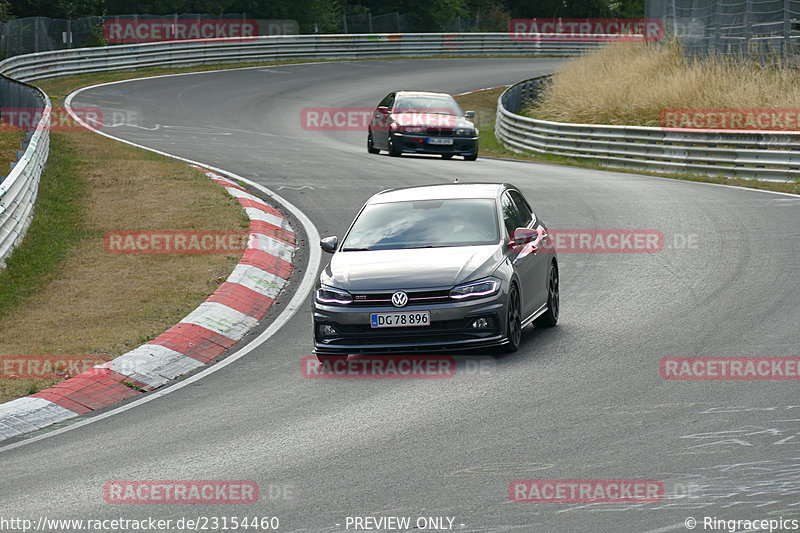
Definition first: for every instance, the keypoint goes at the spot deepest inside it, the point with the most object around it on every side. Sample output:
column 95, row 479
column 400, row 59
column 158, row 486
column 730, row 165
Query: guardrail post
column 717, row 25
column 748, row 28
column 787, row 32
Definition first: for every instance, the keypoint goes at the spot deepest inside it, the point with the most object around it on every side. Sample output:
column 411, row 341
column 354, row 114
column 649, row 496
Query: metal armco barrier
column 282, row 47
column 746, row 154
column 18, row 190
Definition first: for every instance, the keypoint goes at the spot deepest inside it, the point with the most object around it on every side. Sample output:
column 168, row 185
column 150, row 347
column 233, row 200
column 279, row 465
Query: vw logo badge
column 399, row 299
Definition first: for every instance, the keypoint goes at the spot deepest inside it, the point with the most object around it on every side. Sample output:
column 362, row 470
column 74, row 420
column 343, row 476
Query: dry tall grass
column 630, row 83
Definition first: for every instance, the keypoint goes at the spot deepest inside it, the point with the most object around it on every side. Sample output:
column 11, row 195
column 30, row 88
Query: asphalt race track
column 584, row 400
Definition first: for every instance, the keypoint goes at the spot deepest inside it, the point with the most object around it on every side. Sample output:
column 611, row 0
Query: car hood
column 432, row 120
column 411, row 268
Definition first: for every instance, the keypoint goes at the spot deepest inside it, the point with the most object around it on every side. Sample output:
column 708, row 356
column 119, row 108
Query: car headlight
column 476, row 289
column 332, row 295
column 465, row 132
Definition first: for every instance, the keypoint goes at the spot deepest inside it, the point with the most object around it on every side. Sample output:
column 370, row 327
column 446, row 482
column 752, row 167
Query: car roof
column 422, row 93
column 440, row 192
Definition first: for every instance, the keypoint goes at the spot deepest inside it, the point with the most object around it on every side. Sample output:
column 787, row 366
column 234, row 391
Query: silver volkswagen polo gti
column 433, row 268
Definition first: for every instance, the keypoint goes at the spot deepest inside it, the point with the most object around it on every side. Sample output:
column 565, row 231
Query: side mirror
column 329, row 244
column 521, row 237
column 383, row 109
column 469, row 114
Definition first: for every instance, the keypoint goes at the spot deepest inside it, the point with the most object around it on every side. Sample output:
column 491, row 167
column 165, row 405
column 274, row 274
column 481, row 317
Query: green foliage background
column 326, row 15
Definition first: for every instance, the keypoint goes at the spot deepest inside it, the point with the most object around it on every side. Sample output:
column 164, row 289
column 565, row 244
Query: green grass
column 10, row 142
column 56, row 228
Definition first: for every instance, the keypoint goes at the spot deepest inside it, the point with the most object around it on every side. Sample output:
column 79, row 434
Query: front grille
column 440, row 335
column 384, row 299
column 441, row 132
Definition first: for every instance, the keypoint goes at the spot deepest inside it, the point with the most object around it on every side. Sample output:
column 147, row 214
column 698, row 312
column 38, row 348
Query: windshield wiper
column 355, row 249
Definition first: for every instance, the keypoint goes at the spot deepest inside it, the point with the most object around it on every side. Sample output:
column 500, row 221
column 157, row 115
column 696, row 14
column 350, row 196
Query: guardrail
column 281, row 47
column 746, row 154
column 18, row 190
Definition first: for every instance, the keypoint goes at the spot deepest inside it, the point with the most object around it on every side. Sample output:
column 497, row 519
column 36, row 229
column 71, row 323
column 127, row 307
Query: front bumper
column 419, row 144
column 450, row 328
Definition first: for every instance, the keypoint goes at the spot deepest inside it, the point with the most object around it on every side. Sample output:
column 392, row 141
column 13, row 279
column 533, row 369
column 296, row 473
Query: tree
column 57, row 9
column 490, row 15
column 320, row 16
column 432, row 15
column 5, row 10
column 628, row 9
column 559, row 8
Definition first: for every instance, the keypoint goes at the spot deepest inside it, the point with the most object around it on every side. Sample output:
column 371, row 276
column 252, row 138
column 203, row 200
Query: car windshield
column 441, row 105
column 425, row 224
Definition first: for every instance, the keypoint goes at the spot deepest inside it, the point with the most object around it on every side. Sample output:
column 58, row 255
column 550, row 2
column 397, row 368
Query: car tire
column 330, row 359
column 447, row 156
column 370, row 145
column 471, row 157
column 550, row 317
column 513, row 322
column 393, row 150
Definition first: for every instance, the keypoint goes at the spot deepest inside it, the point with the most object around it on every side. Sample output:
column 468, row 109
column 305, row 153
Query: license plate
column 439, row 140
column 400, row 320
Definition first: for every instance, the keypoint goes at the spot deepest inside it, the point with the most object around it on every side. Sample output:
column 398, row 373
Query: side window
column 388, row 101
column 525, row 213
column 511, row 216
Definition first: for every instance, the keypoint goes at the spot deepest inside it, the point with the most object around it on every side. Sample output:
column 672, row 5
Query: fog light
column 326, row 331
column 480, row 323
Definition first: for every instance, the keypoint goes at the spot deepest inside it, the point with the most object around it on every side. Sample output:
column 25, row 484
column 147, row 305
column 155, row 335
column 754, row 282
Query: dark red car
column 422, row 123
